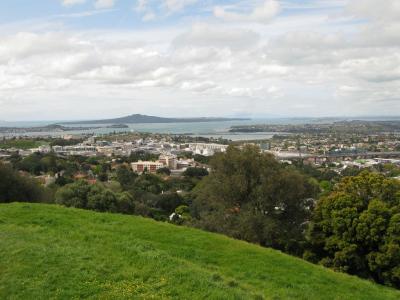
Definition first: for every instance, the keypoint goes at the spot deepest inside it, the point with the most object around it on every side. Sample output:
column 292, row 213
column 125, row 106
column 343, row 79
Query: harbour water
column 203, row 129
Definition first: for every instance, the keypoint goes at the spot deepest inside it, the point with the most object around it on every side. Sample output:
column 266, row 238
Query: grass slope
column 47, row 251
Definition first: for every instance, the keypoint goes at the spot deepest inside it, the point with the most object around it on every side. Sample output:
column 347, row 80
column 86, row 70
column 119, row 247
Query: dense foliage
column 250, row 196
column 356, row 228
column 80, row 194
column 15, row 187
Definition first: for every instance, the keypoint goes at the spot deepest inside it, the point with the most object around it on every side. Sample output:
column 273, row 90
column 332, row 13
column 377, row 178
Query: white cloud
column 177, row 5
column 102, row 4
column 374, row 69
column 72, row 2
column 387, row 10
column 152, row 9
column 199, row 87
column 296, row 65
column 149, row 16
column 203, row 35
column 260, row 14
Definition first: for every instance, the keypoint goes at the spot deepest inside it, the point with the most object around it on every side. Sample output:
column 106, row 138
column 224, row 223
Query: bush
column 356, row 228
column 74, row 194
column 14, row 187
column 195, row 172
column 96, row 197
column 164, row 171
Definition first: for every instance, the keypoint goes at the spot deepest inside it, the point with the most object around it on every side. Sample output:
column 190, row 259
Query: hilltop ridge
column 58, row 252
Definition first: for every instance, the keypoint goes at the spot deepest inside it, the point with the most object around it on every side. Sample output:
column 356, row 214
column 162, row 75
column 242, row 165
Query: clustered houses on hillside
column 333, row 144
column 93, row 147
column 158, row 152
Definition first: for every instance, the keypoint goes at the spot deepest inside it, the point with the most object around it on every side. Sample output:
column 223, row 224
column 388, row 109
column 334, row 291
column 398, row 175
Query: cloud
column 260, row 14
column 149, row 16
column 199, row 87
column 72, row 2
column 151, row 9
column 386, row 11
column 202, row 35
column 102, row 4
column 347, row 63
column 177, row 5
column 374, row 69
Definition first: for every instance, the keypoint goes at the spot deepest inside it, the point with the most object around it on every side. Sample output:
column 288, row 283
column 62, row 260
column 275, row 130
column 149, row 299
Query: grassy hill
column 54, row 252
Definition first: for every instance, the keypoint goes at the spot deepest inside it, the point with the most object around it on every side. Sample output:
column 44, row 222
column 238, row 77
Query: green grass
column 48, row 251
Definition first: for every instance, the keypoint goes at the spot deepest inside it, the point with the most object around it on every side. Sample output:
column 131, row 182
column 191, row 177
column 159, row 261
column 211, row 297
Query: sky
column 83, row 59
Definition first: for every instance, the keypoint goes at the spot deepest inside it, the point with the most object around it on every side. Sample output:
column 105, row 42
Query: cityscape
column 200, row 149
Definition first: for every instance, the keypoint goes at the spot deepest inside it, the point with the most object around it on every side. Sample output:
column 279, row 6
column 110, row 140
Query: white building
column 207, row 149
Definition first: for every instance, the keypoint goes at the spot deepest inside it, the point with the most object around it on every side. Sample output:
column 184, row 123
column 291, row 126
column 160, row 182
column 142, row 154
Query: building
column 79, row 149
column 207, row 149
column 149, row 166
column 169, row 161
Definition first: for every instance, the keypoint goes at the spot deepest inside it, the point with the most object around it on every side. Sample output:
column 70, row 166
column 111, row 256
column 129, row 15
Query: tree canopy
column 356, row 228
column 250, row 196
column 14, row 187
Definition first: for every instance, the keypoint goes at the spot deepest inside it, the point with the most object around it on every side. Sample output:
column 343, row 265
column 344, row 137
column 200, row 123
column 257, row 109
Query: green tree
column 126, row 177
column 14, row 187
column 164, row 171
column 250, row 196
column 31, row 164
column 150, row 183
column 74, row 194
column 101, row 199
column 167, row 202
column 125, row 203
column 195, row 172
column 356, row 228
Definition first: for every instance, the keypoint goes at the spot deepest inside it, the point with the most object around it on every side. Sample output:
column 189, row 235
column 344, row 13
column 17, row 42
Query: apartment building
column 150, row 166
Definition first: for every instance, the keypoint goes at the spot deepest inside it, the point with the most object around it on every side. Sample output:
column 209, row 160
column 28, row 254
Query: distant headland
column 138, row 118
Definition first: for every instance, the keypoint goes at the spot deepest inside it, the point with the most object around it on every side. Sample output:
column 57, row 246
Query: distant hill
column 138, row 118
column 52, row 252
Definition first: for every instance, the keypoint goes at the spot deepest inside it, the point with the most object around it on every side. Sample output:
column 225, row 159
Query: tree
column 195, row 172
column 126, row 177
column 31, row 164
column 181, row 215
column 202, row 159
column 63, row 180
column 164, row 171
column 167, row 202
column 14, row 187
column 356, row 228
column 101, row 199
column 125, row 203
column 80, row 194
column 74, row 194
column 250, row 196
column 148, row 182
